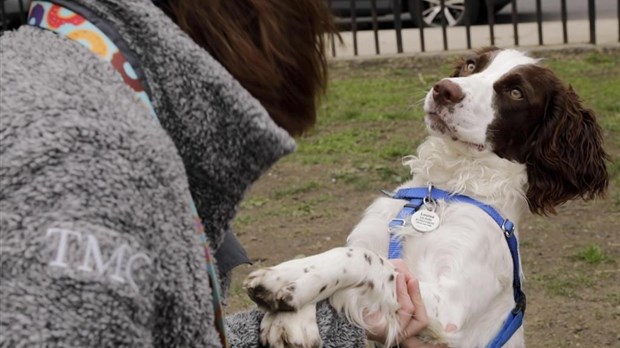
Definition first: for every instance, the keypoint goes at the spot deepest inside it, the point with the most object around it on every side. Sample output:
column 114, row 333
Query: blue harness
column 420, row 196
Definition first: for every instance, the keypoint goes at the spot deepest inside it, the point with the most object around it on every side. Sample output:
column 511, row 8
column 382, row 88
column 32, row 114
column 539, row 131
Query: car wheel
column 455, row 12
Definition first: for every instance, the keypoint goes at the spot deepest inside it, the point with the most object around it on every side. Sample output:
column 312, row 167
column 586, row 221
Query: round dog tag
column 425, row 220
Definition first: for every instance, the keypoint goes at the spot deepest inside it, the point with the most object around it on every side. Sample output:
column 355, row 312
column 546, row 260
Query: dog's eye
column 516, row 94
column 470, row 67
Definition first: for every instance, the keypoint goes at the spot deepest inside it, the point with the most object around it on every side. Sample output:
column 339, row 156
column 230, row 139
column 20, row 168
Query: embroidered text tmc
column 119, row 267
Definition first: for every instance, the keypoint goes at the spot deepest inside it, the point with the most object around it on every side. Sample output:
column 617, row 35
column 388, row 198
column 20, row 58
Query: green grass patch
column 595, row 79
column 238, row 294
column 306, row 208
column 254, row 202
column 242, row 220
column 343, row 142
column 566, row 284
column 614, row 299
column 592, row 254
column 358, row 178
column 296, row 190
column 383, row 96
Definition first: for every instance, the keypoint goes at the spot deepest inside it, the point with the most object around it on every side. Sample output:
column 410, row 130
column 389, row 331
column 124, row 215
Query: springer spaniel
column 508, row 138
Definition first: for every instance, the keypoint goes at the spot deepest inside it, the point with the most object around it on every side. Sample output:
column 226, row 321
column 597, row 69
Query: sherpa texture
column 97, row 240
column 335, row 331
column 80, row 154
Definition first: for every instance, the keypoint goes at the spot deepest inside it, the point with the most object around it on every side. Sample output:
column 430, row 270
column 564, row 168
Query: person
column 130, row 130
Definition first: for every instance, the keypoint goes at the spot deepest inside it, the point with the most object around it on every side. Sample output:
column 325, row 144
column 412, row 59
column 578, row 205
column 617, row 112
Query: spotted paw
column 291, row 329
column 300, row 282
column 271, row 289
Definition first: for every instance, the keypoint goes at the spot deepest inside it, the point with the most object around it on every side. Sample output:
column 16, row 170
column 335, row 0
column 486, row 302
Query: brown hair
column 274, row 48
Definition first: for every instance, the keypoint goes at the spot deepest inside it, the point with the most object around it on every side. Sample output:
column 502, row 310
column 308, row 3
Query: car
column 456, row 12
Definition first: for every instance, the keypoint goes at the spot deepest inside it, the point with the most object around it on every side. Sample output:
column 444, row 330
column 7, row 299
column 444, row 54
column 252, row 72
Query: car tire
column 457, row 12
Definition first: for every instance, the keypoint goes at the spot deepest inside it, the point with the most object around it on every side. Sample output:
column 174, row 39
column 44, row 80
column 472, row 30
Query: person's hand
column 412, row 313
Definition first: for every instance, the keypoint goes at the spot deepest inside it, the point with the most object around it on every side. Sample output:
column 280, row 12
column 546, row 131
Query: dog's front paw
column 271, row 289
column 291, row 329
column 297, row 283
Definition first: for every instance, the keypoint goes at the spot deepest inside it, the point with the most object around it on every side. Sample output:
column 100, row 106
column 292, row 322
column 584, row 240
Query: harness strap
column 416, row 198
column 396, row 242
column 438, row 194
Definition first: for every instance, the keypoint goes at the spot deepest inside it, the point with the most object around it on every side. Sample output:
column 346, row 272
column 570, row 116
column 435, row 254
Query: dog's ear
column 566, row 158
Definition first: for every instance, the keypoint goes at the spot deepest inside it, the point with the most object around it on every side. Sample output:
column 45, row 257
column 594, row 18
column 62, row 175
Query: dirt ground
column 570, row 260
column 570, row 303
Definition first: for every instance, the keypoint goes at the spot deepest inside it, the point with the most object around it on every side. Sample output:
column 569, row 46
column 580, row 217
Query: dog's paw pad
column 256, row 285
column 261, row 296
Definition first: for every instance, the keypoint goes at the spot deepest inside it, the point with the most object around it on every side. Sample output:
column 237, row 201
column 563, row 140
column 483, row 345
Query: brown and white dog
column 505, row 131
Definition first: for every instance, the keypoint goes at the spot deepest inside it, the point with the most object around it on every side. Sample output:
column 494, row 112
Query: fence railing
column 374, row 27
column 400, row 26
column 12, row 13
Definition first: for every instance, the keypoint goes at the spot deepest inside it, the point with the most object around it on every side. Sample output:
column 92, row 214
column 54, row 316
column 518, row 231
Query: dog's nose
column 446, row 92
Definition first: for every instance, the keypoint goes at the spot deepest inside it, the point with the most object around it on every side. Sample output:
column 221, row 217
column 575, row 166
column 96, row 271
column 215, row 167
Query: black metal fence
column 411, row 29
column 408, row 22
column 12, row 13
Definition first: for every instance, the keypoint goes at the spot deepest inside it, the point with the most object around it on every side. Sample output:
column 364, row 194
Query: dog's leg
column 293, row 284
column 357, row 280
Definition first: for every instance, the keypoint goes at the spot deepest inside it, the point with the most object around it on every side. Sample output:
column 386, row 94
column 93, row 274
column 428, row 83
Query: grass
column 579, row 273
column 614, row 299
column 255, row 202
column 595, row 79
column 592, row 254
column 297, row 189
column 566, row 284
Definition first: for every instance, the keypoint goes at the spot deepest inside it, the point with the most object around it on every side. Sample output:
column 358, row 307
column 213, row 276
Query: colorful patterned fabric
column 50, row 16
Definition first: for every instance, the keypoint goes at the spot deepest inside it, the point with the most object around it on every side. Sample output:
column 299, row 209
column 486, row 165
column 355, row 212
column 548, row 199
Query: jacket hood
column 224, row 136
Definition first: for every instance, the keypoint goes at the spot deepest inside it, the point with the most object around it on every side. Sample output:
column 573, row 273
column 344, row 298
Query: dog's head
column 504, row 102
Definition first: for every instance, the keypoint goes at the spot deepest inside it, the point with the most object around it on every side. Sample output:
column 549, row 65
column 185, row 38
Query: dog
column 507, row 139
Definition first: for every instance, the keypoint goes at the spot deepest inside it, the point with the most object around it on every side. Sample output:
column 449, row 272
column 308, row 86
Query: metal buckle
column 507, row 233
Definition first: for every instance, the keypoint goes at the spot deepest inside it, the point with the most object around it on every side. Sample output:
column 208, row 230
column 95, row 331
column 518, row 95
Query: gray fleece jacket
column 97, row 244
